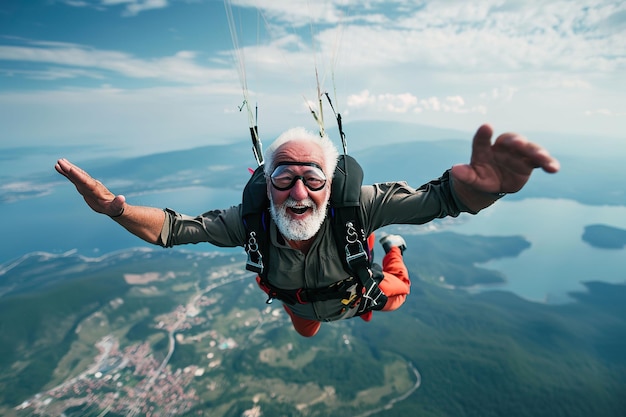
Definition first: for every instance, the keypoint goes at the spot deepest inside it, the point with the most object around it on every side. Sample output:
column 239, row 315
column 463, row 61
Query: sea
column 558, row 260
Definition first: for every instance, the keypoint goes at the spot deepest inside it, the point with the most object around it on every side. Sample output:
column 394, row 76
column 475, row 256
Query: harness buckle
column 255, row 259
column 356, row 255
column 254, row 265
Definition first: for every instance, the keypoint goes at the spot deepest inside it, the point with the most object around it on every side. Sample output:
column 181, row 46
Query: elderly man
column 299, row 167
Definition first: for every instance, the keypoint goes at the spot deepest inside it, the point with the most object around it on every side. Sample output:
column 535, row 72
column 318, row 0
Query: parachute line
column 315, row 106
column 239, row 58
column 319, row 115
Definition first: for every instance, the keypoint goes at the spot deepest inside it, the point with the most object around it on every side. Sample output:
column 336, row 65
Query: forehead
column 299, row 151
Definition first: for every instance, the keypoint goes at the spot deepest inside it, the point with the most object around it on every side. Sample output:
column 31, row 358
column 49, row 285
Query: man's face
column 300, row 209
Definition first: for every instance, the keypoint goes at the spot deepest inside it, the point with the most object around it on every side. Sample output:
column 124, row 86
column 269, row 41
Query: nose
column 299, row 191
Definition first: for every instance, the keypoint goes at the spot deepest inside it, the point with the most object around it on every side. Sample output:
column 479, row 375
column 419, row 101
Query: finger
column 59, row 168
column 118, row 202
column 62, row 166
column 464, row 173
column 77, row 175
column 66, row 168
column 117, row 205
column 534, row 155
column 546, row 161
column 481, row 143
column 541, row 158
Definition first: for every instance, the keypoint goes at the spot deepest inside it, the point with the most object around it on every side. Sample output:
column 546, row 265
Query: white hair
column 300, row 134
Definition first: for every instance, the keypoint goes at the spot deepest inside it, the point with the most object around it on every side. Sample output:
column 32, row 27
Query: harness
column 348, row 232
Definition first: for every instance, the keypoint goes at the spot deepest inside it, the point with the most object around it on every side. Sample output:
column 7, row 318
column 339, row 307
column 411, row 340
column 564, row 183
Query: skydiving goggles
column 283, row 177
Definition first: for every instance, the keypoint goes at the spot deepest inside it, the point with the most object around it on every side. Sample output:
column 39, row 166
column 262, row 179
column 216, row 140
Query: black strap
column 346, row 290
column 351, row 240
column 255, row 217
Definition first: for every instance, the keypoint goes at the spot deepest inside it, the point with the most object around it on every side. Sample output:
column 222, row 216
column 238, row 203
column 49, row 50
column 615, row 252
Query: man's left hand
column 502, row 167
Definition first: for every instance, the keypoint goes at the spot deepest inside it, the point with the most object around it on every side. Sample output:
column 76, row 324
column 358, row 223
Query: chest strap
column 345, row 290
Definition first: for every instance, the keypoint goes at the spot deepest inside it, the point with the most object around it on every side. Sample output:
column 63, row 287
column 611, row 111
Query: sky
column 144, row 76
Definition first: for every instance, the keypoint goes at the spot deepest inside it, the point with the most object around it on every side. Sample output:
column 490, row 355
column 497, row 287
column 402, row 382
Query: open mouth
column 298, row 210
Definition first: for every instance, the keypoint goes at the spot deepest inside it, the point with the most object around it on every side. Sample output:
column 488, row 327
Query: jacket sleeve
column 398, row 203
column 222, row 228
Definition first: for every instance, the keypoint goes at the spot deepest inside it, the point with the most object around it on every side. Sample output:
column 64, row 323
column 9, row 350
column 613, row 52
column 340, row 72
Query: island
column 604, row 236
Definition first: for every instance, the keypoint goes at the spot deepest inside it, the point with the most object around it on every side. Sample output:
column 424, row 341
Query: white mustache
column 292, row 203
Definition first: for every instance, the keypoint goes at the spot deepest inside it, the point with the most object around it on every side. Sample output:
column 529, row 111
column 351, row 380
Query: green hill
column 93, row 339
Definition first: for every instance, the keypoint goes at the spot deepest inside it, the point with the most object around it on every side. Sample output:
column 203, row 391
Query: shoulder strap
column 255, row 217
column 345, row 211
column 350, row 236
column 347, row 181
column 254, row 197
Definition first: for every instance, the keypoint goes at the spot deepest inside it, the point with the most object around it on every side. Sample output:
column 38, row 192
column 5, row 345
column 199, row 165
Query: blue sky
column 143, row 76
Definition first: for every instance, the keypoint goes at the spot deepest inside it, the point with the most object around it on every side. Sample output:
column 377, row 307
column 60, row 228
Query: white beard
column 294, row 229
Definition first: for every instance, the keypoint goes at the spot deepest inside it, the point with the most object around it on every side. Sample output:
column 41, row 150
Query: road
column 390, row 404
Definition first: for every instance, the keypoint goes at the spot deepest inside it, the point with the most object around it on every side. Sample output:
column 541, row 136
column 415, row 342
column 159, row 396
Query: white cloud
column 364, row 98
column 605, row 112
column 76, row 3
column 541, row 65
column 504, row 94
column 564, row 81
column 487, row 37
column 55, row 73
column 297, row 12
column 405, row 103
column 131, row 7
column 135, row 7
column 181, row 67
column 461, row 35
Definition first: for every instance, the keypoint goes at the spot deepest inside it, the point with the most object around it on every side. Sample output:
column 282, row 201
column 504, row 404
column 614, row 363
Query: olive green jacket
column 381, row 204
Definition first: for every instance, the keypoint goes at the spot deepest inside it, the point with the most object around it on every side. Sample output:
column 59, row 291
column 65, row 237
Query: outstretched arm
column 502, row 167
column 144, row 222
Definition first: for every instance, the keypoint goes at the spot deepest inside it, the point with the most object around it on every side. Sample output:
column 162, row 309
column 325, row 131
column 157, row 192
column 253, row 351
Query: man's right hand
column 96, row 195
column 144, row 222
